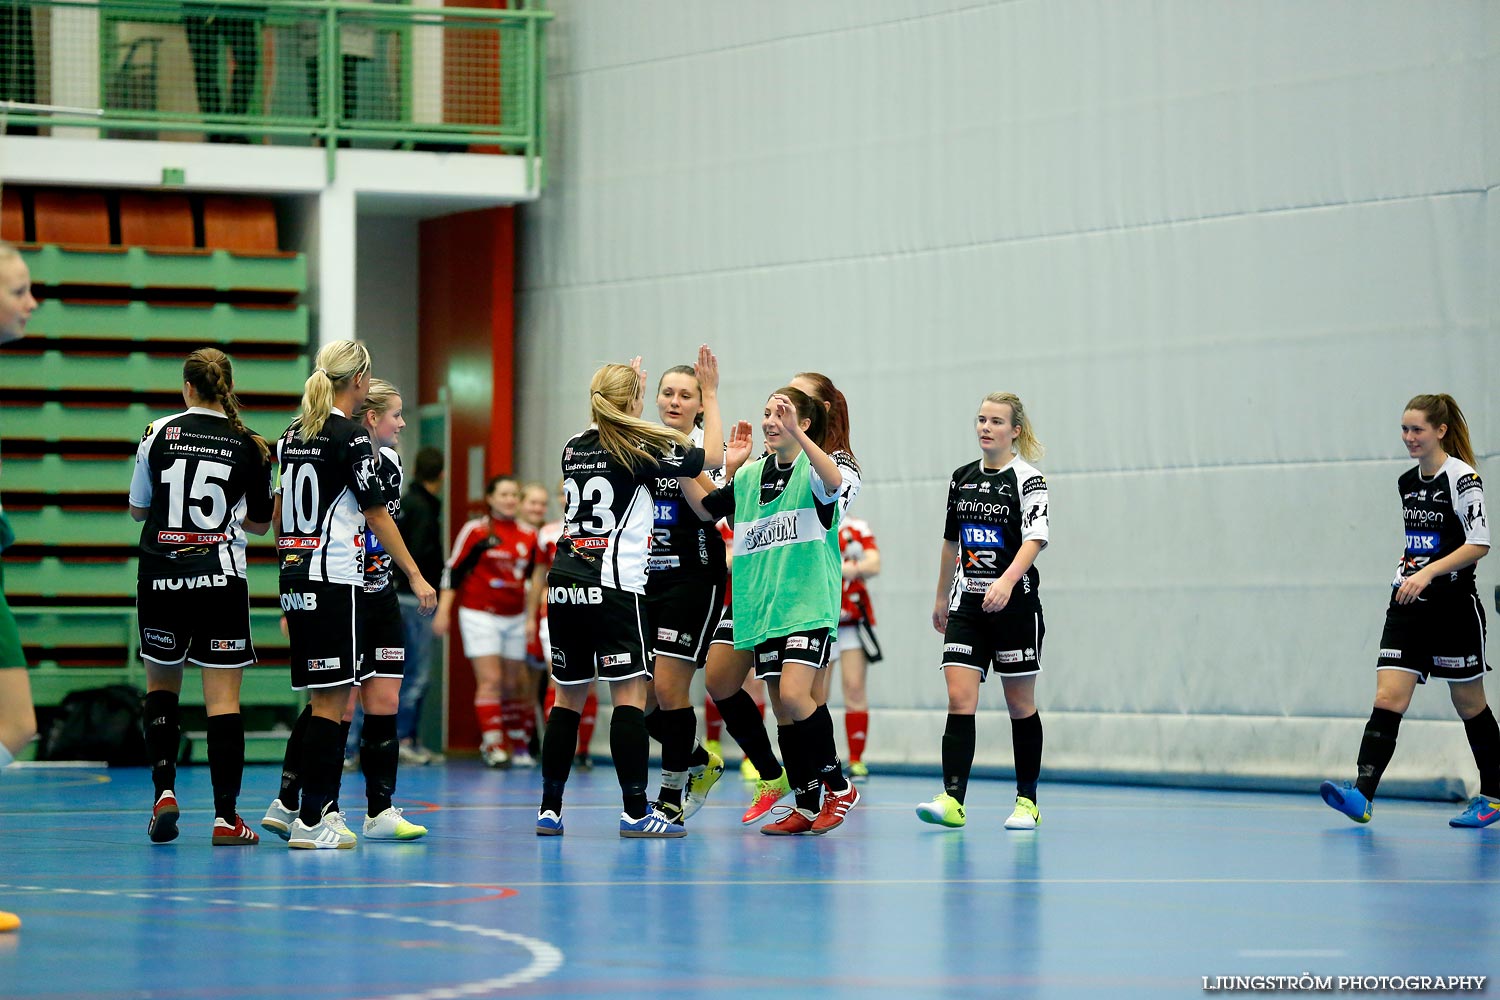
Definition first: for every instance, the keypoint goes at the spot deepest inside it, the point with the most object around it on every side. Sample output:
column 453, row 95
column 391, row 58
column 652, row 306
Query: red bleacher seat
column 242, row 225
column 80, row 218
column 156, row 221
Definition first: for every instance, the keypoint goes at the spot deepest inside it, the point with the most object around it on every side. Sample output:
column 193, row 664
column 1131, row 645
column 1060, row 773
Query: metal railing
column 379, row 75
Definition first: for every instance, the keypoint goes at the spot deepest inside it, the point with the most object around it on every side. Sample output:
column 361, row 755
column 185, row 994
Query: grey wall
column 386, row 296
column 1215, row 247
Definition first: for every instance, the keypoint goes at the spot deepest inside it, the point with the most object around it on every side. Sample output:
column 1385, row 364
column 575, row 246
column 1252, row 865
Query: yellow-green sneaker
column 700, row 781
column 391, row 825
column 944, row 810
column 748, row 771
column 1026, row 816
column 858, row 771
column 714, row 747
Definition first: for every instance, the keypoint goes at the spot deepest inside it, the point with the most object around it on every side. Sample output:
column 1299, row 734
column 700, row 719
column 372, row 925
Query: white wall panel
column 1215, row 247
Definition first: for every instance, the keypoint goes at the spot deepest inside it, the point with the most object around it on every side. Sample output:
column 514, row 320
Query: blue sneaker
column 548, row 824
column 1482, row 812
column 653, row 825
column 1348, row 800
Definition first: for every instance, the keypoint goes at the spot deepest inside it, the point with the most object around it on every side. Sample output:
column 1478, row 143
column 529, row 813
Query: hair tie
column 323, row 370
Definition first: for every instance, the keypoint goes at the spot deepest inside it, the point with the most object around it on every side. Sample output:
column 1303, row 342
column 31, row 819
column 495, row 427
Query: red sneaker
column 163, row 825
column 795, row 823
column 836, row 806
column 238, row 835
column 767, row 794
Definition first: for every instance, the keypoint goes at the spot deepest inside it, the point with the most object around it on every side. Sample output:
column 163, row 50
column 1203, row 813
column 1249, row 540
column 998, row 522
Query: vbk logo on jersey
column 172, row 433
column 979, row 536
column 1421, row 541
column 665, row 512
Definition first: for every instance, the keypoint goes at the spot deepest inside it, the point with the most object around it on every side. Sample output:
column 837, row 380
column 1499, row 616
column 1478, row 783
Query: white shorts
column 485, row 634
column 848, row 639
column 544, row 636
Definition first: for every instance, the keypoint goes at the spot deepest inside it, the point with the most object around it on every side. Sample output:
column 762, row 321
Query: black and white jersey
column 199, row 480
column 377, row 559
column 683, row 547
column 849, row 487
column 990, row 513
column 608, row 515
column 327, row 484
column 773, row 481
column 1441, row 514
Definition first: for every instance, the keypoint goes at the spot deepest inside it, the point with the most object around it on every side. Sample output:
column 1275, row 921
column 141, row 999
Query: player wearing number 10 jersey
column 202, row 480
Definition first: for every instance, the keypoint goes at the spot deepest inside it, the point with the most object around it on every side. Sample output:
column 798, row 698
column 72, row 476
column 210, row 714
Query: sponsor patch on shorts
column 390, row 653
column 161, row 638
column 958, row 647
column 614, row 660
column 1390, row 654
column 316, row 665
column 769, row 656
column 667, row 634
column 1448, row 662
column 1009, row 656
column 226, row 645
column 558, row 659
column 796, row 642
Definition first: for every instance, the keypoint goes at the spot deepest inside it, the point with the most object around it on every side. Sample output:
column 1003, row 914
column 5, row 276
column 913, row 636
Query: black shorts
column 1010, row 641
column 320, row 622
column 683, row 617
column 603, row 637
column 382, row 643
column 811, row 648
column 207, row 625
column 1441, row 637
column 724, row 630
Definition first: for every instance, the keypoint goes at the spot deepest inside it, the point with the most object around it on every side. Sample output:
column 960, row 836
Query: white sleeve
column 1468, row 501
column 848, row 487
column 1034, row 510
column 141, row 486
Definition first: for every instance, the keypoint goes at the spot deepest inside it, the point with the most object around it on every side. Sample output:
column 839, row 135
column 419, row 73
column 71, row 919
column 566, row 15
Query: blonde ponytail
column 631, row 440
column 338, row 364
column 1027, row 444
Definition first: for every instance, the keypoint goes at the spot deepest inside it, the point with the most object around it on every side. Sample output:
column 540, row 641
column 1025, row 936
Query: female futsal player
column 987, row 607
column 861, row 557
column 1434, row 625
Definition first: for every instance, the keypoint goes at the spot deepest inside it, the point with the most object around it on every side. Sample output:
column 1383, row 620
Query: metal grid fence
column 285, row 71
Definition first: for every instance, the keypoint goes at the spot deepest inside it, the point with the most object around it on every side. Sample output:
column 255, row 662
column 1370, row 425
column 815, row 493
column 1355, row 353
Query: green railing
column 378, row 75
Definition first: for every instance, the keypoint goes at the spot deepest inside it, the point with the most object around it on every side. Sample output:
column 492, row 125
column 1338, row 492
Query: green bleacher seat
column 62, row 320
column 56, row 526
column 55, row 579
column 54, row 421
column 56, row 370
column 58, row 475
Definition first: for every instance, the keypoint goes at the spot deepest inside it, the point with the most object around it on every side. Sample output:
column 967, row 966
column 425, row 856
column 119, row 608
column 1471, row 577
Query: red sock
column 513, row 713
column 587, row 720
column 760, row 707
column 713, row 722
column 487, row 714
column 855, row 726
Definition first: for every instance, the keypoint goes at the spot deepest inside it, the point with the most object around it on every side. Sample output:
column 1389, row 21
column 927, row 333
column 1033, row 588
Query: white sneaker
column 322, row 837
column 389, row 825
column 278, row 819
column 522, row 759
column 411, row 755
column 339, row 822
column 495, row 756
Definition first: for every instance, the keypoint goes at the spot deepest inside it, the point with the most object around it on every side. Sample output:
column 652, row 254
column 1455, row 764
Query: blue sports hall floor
column 1122, row 892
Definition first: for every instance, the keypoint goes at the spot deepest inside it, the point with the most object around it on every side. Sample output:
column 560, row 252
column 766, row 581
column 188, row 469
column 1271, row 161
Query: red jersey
column 491, row 562
column 856, row 539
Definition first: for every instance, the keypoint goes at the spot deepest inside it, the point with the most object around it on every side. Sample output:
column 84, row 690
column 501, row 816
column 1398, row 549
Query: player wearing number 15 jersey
column 202, row 480
column 987, row 607
column 596, row 590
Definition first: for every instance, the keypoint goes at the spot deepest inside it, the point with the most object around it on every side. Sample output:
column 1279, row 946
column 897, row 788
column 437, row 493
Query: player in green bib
column 786, row 589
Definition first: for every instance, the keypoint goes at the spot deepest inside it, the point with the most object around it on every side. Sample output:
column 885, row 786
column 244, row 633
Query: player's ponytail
column 837, row 407
column 338, row 364
column 631, row 440
column 211, row 374
column 1026, row 440
column 1439, row 409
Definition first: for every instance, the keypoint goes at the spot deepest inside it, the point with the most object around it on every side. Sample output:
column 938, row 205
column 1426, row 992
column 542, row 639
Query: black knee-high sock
column 679, row 728
column 958, row 754
column 323, row 763
column 803, row 762
column 159, row 719
column 788, row 740
column 1376, row 748
column 379, row 755
column 745, row 724
column 559, row 741
column 1484, row 741
column 826, row 751
column 630, row 746
column 291, row 765
column 226, row 762
column 656, row 726
column 1026, row 742
column 344, row 726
